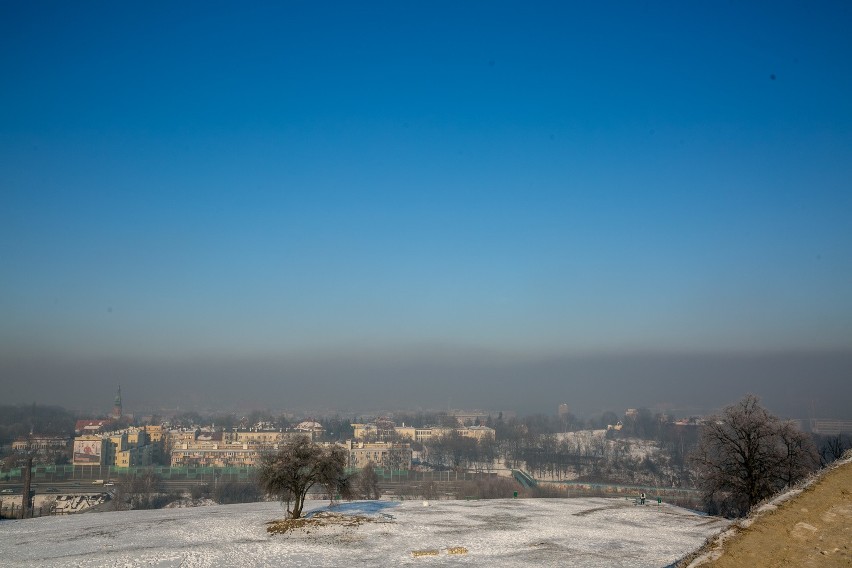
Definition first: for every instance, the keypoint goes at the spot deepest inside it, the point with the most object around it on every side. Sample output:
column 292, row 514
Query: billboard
column 87, row 452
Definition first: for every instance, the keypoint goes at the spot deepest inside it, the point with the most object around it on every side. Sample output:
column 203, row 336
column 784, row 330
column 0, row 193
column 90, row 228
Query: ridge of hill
column 807, row 526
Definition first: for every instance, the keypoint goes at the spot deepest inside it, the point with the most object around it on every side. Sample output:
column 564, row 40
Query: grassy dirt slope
column 813, row 528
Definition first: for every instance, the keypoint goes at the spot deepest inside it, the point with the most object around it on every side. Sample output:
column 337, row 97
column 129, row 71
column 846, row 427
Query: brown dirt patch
column 323, row 519
column 813, row 528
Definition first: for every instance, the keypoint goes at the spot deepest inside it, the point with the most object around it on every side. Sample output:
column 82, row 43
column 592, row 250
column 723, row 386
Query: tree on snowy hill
column 297, row 467
column 746, row 454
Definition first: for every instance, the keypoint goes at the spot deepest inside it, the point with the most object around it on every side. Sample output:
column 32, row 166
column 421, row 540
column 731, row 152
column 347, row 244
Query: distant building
column 116, row 409
column 240, row 447
column 264, row 437
column 563, row 410
column 315, row 428
column 40, row 444
column 387, row 431
column 469, row 417
column 476, row 432
column 427, row 433
column 131, row 447
column 158, row 437
column 380, row 430
column 86, row 427
column 381, row 454
column 216, row 454
column 831, row 427
column 423, row 434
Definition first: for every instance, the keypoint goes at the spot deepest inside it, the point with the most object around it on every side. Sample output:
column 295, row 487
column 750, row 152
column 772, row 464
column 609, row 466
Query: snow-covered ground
column 548, row 532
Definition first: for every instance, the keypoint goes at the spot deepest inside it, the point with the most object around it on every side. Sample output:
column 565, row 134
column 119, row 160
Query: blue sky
column 300, row 177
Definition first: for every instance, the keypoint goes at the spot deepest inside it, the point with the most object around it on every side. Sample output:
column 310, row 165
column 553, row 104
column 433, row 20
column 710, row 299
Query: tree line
column 17, row 421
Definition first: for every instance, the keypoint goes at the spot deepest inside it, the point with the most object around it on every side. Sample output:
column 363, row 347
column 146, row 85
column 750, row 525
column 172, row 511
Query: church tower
column 116, row 409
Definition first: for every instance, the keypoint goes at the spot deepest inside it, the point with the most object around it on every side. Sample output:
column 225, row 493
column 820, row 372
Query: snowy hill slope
column 564, row 532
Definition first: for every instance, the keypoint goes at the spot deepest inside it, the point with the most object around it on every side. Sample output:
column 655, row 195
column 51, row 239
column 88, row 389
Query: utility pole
column 26, row 496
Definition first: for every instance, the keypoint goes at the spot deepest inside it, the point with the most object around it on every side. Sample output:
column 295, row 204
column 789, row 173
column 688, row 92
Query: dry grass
column 813, row 528
column 322, row 519
column 436, row 552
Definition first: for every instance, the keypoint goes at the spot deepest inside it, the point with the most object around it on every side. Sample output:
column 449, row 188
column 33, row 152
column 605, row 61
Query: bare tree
column 235, row 492
column 487, row 453
column 455, row 450
column 799, row 454
column 368, row 483
column 48, row 506
column 335, row 480
column 397, row 458
column 119, row 497
column 747, row 454
column 296, row 468
column 137, row 491
column 833, row 448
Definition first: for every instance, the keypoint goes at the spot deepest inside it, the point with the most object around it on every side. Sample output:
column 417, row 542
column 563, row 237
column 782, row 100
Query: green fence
column 59, row 473
column 48, row 473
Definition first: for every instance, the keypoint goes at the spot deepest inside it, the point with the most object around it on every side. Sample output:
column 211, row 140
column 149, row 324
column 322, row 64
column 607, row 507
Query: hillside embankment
column 811, row 527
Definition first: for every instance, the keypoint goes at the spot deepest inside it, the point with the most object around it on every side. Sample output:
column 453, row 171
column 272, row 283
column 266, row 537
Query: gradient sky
column 180, row 181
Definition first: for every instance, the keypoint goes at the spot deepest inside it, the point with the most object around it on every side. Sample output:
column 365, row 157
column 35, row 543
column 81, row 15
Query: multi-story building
column 831, row 427
column 380, row 431
column 218, row 454
column 476, row 432
column 240, row 447
column 130, row 448
column 422, row 434
column 257, row 436
column 126, row 448
column 158, row 437
column 381, row 454
column 427, row 433
column 41, row 444
column 182, row 436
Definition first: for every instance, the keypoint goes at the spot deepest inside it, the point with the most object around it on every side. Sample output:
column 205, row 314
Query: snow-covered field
column 547, row 532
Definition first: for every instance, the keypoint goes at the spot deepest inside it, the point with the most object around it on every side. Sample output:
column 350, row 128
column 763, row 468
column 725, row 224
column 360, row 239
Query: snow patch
column 509, row 533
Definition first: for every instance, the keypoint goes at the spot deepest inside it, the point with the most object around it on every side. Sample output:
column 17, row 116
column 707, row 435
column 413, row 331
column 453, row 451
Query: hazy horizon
column 356, row 382
column 402, row 204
